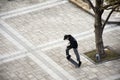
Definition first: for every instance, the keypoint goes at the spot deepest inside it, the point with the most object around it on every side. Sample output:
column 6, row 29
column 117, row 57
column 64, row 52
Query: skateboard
column 73, row 62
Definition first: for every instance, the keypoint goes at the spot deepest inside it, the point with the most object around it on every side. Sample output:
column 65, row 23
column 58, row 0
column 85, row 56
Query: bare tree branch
column 112, row 4
column 113, row 9
column 91, row 4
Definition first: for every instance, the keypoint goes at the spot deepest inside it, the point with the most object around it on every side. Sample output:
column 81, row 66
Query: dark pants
column 75, row 51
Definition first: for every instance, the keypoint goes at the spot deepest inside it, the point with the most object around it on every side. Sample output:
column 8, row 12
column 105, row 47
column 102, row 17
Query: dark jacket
column 73, row 42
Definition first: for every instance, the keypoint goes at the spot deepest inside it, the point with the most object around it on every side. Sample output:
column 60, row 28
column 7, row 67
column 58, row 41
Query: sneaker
column 68, row 57
column 79, row 64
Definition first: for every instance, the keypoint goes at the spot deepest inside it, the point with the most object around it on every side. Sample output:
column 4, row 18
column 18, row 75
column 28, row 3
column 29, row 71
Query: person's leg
column 67, row 53
column 77, row 56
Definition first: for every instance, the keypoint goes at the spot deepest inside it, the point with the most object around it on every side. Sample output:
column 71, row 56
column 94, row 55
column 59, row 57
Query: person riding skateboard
column 73, row 45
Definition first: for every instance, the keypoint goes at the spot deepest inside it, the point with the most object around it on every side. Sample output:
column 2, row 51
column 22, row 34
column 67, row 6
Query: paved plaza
column 32, row 45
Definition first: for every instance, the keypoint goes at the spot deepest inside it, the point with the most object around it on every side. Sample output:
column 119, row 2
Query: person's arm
column 69, row 45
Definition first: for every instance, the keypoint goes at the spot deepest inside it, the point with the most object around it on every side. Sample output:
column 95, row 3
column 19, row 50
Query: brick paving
column 23, row 69
column 48, row 62
column 6, row 47
column 39, row 22
column 88, row 70
column 6, row 5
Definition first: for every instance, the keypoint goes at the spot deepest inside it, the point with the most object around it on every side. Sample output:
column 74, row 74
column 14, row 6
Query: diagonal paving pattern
column 45, row 60
column 6, row 5
column 59, row 15
column 29, row 49
column 6, row 47
column 32, row 8
column 26, row 46
column 23, row 69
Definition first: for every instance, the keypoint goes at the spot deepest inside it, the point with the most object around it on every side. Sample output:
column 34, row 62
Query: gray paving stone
column 51, row 24
column 99, row 71
column 40, row 24
column 62, row 61
column 9, row 71
column 6, row 5
column 6, row 47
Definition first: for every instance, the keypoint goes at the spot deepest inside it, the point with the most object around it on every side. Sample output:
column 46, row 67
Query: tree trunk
column 99, row 42
column 99, row 30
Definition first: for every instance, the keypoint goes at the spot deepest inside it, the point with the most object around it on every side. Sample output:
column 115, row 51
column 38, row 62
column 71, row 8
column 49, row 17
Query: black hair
column 67, row 36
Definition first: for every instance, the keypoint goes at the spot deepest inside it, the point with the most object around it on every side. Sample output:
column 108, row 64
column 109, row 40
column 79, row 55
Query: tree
column 114, row 2
column 98, row 9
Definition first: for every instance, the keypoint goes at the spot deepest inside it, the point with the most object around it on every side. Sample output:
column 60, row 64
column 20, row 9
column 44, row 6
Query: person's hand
column 68, row 47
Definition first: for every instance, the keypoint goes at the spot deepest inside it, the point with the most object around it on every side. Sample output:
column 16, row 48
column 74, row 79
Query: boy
column 73, row 45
